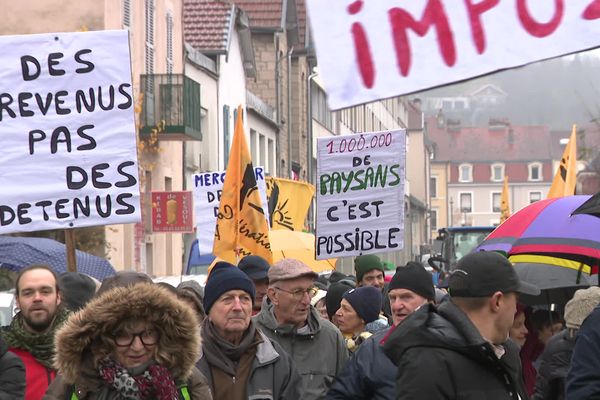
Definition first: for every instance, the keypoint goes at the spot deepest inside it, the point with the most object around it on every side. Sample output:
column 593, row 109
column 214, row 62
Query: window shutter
column 126, row 14
column 169, row 43
column 149, row 37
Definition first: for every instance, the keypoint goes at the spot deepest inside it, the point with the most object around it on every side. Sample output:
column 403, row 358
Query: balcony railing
column 174, row 99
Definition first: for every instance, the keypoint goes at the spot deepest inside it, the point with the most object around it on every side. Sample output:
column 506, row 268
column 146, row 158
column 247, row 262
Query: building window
column 465, row 173
column 320, row 111
column 496, row 201
column 253, row 149
column 466, row 202
column 497, row 172
column 434, row 221
column 535, row 171
column 226, row 116
column 271, row 163
column 262, row 150
column 534, row 196
column 433, row 187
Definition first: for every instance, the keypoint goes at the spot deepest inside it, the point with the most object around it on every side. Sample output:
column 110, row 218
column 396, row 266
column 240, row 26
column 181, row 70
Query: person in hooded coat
column 135, row 342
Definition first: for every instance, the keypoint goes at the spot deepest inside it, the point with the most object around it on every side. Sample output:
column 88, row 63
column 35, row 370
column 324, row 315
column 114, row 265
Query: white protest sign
column 369, row 50
column 67, row 132
column 207, row 195
column 360, row 194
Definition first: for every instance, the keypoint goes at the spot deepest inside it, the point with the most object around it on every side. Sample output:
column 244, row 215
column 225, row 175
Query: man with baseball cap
column 463, row 343
column 315, row 345
column 239, row 361
column 257, row 269
column 370, row 374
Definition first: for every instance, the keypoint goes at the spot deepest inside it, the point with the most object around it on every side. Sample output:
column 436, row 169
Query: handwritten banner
column 67, row 132
column 360, row 194
column 369, row 50
column 208, row 187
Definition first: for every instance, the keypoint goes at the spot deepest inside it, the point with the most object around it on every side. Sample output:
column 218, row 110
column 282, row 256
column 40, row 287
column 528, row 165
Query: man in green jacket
column 315, row 345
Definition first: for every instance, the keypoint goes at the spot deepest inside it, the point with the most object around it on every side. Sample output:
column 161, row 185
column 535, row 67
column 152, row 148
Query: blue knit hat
column 223, row 278
column 366, row 301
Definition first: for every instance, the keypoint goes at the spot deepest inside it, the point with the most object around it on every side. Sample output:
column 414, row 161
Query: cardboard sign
column 67, row 132
column 369, row 50
column 360, row 194
column 172, row 212
column 208, row 187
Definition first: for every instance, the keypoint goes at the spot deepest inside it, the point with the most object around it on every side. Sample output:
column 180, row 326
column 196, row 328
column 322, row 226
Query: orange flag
column 504, row 205
column 566, row 176
column 242, row 228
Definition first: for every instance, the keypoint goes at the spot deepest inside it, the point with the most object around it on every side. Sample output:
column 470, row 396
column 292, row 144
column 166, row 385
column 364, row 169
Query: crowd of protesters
column 281, row 331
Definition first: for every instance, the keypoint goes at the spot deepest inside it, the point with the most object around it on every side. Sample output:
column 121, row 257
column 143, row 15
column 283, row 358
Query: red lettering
column 592, row 11
column 434, row 15
column 540, row 29
column 475, row 11
column 364, row 57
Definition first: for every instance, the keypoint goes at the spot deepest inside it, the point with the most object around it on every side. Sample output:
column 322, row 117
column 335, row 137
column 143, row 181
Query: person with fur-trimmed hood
column 132, row 342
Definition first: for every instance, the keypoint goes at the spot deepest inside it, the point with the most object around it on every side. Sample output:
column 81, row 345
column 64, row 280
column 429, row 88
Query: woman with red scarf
column 137, row 342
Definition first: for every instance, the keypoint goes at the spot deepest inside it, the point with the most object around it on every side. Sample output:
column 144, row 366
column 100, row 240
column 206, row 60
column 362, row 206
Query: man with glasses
column 315, row 345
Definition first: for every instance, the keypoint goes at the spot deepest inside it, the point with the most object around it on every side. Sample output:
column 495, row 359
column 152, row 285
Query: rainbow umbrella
column 554, row 243
column 563, row 227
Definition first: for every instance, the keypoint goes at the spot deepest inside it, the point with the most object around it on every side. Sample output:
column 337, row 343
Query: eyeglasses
column 299, row 293
column 147, row 337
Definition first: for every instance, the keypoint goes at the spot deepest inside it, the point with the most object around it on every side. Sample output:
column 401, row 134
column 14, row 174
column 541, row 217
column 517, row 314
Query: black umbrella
column 557, row 283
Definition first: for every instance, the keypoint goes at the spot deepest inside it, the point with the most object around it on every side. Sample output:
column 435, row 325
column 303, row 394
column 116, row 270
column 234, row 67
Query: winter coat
column 12, row 374
column 37, row 376
column 554, row 366
column 318, row 354
column 272, row 375
column 583, row 379
column 79, row 339
column 440, row 354
column 368, row 374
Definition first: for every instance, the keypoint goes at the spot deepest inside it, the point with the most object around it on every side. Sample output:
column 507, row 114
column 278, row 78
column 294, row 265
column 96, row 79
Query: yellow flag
column 504, row 204
column 566, row 176
column 242, row 228
column 289, row 202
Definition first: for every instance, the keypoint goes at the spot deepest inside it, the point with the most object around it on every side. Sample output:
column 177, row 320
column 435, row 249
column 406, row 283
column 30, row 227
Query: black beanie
column 366, row 301
column 222, row 278
column 333, row 298
column 415, row 278
column 76, row 290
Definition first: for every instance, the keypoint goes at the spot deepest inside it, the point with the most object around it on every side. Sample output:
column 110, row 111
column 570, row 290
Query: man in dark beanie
column 370, row 374
column 257, row 269
column 410, row 288
column 240, row 361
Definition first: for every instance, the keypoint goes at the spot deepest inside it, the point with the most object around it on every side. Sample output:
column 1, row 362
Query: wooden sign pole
column 70, row 247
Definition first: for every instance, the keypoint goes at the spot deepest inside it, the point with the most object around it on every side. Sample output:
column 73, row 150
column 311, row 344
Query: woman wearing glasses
column 136, row 342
